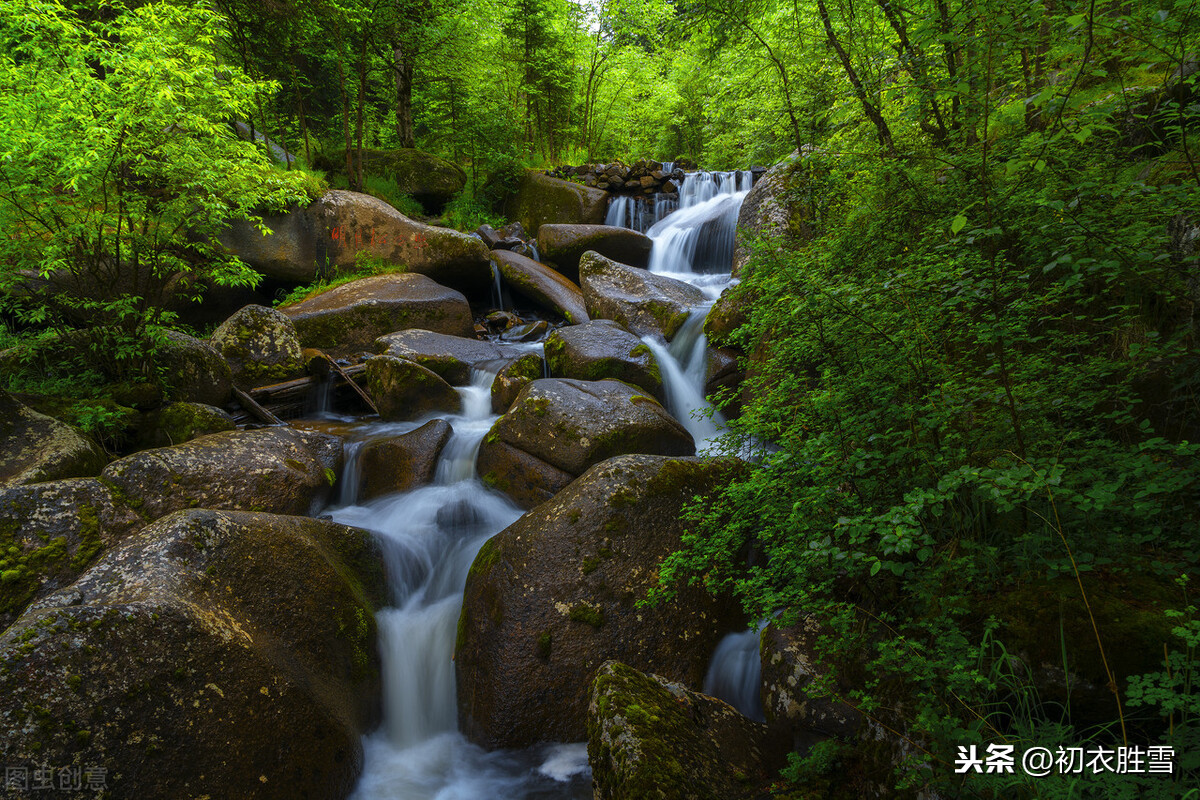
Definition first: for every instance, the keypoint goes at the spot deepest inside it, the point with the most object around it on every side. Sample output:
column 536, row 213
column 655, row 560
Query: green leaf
column 958, row 223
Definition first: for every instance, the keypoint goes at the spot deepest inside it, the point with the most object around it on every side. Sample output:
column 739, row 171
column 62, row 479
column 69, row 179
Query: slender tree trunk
column 860, row 91
column 362, row 100
column 402, row 65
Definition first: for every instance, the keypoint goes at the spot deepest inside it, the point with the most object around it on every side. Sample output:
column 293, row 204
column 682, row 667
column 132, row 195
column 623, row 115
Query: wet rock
column 541, row 199
column 603, row 349
column 652, row 739
column 193, row 371
column 769, row 212
column 512, row 378
column 644, row 303
column 724, row 378
column 451, row 357
column 214, row 654
column 542, row 285
column 260, row 345
column 571, row 425
column 352, row 316
column 553, row 596
column 726, row 315
column 35, row 447
column 280, row 470
column 176, row 423
column 402, row 463
column 790, row 663
column 50, row 532
column 529, row 332
column 330, row 235
column 564, row 245
column 404, row 390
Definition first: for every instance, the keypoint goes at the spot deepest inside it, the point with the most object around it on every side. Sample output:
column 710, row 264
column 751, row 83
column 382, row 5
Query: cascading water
column 698, row 238
column 684, row 367
column 430, row 537
column 735, row 673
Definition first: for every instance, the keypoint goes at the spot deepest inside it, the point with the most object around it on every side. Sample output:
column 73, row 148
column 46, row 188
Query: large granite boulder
column 553, row 596
column 652, row 739
column 280, row 470
column 331, row 234
column 401, row 463
column 769, row 210
column 214, row 654
column 352, row 316
column 451, row 357
column 261, row 346
column 428, row 179
column 542, row 285
column 405, row 390
column 557, row 428
column 193, row 370
column 50, row 532
column 35, row 447
column 644, row 303
column 541, row 199
column 564, row 245
column 603, row 349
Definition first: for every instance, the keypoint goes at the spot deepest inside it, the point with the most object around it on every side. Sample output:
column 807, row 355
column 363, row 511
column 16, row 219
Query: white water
column 684, row 367
column 430, row 537
column 735, row 673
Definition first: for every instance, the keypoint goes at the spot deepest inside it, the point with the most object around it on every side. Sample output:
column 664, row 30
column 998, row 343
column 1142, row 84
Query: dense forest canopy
column 973, row 374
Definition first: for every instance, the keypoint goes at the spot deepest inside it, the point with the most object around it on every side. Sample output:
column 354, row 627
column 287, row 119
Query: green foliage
column 387, row 190
column 982, row 373
column 118, row 167
column 466, row 213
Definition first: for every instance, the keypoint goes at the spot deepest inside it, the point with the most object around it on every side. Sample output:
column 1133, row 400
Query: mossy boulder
column 451, row 357
column 280, row 470
column 541, row 199
column 428, row 179
column 261, row 346
column 727, row 314
column 331, row 235
column 563, row 245
column 214, row 654
column 553, row 596
column 652, row 739
column 36, row 448
column 176, row 423
column 193, row 371
column 602, row 349
column 571, row 425
column 546, row 287
column 644, row 303
column 771, row 212
column 404, row 390
column 401, row 463
column 352, row 316
column 512, row 378
column 51, row 532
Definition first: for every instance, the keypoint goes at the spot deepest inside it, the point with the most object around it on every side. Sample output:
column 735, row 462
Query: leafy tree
column 117, row 167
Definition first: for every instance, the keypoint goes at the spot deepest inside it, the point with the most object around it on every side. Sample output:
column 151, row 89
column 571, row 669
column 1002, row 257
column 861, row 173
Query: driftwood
column 260, row 413
column 289, row 398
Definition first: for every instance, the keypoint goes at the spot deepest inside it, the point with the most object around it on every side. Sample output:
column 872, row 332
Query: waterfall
column 735, row 673
column 684, row 368
column 698, row 238
column 497, row 288
column 429, row 537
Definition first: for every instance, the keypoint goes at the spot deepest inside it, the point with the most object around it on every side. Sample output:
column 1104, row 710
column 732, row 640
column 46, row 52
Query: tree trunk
column 402, row 65
column 873, row 114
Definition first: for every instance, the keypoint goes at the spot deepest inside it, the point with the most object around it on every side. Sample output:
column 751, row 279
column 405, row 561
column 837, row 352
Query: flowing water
column 430, row 537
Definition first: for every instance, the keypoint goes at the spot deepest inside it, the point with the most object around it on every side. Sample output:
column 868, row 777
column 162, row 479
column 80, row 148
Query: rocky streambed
column 440, row 599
